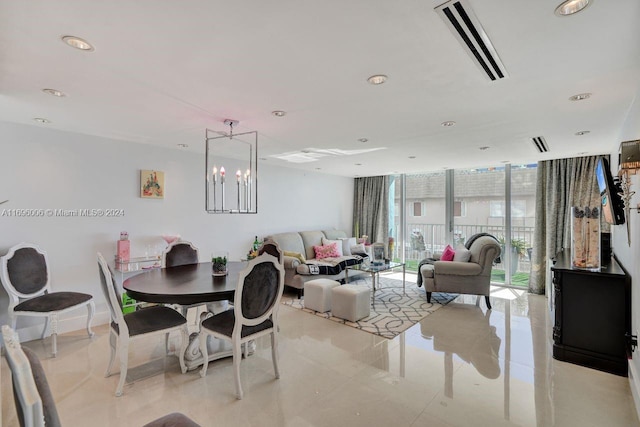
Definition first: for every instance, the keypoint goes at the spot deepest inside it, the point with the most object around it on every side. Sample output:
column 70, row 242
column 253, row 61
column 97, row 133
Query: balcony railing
column 425, row 239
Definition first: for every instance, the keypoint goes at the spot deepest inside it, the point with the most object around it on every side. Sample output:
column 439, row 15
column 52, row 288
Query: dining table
column 186, row 286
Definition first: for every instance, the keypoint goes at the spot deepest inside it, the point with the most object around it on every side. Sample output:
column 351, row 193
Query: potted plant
column 518, row 249
column 219, row 265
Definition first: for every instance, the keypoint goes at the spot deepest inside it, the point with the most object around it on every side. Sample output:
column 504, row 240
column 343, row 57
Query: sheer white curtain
column 371, row 208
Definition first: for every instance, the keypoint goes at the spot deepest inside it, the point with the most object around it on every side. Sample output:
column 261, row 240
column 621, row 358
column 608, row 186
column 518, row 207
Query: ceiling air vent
column 464, row 24
column 540, row 144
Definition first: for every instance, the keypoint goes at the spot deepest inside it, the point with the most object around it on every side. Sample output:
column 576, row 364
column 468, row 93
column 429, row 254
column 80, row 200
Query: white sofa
column 297, row 272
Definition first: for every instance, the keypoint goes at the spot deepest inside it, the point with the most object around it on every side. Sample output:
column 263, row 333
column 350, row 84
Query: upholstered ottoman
column 351, row 302
column 317, row 294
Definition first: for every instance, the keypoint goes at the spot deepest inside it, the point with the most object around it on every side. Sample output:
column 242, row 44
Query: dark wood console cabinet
column 592, row 312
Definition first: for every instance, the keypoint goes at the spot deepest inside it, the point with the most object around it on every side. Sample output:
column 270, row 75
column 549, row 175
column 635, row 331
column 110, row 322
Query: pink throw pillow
column 448, row 254
column 326, row 251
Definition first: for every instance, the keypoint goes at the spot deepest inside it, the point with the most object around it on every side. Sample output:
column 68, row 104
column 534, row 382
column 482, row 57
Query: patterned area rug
column 392, row 312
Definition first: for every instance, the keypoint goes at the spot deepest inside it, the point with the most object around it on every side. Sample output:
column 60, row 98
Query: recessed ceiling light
column 412, row 157
column 363, row 140
column 569, row 7
column 318, row 169
column 41, row 120
column 358, row 164
column 484, row 148
column 377, row 79
column 263, row 158
column 78, row 43
column 582, row 153
column 183, row 145
column 580, row 97
column 54, row 92
column 583, row 132
column 448, row 124
column 278, row 113
column 504, row 161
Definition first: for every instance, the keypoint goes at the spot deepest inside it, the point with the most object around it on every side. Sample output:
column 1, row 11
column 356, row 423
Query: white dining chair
column 26, row 278
column 137, row 324
column 254, row 314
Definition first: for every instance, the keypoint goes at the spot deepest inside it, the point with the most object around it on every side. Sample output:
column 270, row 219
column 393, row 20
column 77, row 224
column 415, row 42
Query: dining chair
column 271, row 247
column 179, row 253
column 32, row 395
column 25, row 276
column 137, row 324
column 254, row 314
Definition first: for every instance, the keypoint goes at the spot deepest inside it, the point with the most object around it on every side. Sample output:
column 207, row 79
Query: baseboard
column 634, row 377
column 70, row 324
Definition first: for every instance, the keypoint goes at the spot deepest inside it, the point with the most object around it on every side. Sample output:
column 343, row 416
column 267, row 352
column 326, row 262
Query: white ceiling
column 163, row 71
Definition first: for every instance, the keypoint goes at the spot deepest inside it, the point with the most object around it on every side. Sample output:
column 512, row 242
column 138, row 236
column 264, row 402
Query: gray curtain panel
column 371, row 208
column 560, row 184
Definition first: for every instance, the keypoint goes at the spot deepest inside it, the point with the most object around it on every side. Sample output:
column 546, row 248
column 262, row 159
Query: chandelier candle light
column 237, row 151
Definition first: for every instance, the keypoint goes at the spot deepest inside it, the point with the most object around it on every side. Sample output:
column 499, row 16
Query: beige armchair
column 472, row 277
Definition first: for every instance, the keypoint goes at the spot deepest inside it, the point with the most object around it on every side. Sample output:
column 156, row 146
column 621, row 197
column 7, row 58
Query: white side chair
column 254, row 314
column 140, row 323
column 26, row 278
column 34, row 401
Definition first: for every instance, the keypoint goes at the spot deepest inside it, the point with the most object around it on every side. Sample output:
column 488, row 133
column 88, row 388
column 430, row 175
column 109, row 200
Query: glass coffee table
column 375, row 270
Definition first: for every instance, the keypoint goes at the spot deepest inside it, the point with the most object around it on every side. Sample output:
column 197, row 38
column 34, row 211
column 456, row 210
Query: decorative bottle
column 124, row 246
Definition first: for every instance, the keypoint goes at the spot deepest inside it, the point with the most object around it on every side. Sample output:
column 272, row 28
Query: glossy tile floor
column 461, row 366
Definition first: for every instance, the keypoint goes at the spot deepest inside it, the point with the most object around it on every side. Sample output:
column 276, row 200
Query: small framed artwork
column 151, row 184
column 378, row 253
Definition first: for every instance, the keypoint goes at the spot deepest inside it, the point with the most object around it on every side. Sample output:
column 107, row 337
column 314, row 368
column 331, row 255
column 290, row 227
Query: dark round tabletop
column 184, row 285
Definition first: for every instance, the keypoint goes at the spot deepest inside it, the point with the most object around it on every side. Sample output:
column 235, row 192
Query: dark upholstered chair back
column 271, row 247
column 260, row 291
column 26, row 270
column 180, row 253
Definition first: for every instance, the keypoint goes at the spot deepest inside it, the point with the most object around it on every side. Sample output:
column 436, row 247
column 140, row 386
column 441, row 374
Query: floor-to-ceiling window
column 480, row 195
column 423, row 222
column 431, row 210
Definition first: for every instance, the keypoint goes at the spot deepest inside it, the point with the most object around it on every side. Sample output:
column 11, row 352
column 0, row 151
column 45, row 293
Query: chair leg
column 205, row 352
column 274, row 353
column 237, row 357
column 47, row 322
column 54, row 333
column 113, row 344
column 428, row 296
column 486, row 299
column 91, row 310
column 124, row 362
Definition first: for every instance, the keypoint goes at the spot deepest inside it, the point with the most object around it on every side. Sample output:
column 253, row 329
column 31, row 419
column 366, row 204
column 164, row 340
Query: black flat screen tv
column 612, row 205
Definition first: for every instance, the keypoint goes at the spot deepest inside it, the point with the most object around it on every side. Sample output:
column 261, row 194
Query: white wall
column 629, row 256
column 46, row 169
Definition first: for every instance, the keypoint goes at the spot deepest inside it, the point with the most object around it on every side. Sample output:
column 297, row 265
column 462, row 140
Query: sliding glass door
column 431, row 210
column 478, row 206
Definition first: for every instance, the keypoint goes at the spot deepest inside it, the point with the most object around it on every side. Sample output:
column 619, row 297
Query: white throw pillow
column 358, row 249
column 462, row 254
column 347, row 242
column 338, row 243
